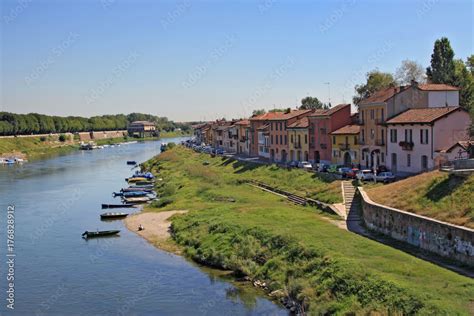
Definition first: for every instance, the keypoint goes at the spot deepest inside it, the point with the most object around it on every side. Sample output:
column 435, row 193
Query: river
column 56, row 272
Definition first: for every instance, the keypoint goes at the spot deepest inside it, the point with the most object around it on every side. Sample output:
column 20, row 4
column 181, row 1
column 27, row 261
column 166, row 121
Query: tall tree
column 312, row 103
column 376, row 80
column 258, row 112
column 470, row 64
column 442, row 63
column 408, row 71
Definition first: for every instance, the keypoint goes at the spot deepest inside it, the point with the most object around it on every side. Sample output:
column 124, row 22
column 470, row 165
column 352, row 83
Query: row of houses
column 408, row 129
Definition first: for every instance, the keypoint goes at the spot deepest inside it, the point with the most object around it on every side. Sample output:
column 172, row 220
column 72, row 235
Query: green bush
column 62, row 138
column 43, row 138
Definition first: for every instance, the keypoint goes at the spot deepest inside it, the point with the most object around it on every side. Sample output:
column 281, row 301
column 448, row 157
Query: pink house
column 418, row 139
column 321, row 124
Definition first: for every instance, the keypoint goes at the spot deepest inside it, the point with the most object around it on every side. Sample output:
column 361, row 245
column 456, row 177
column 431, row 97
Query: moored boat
column 131, row 194
column 144, row 182
column 137, row 199
column 138, row 189
column 135, row 179
column 113, row 215
column 103, row 233
column 117, row 205
column 131, row 162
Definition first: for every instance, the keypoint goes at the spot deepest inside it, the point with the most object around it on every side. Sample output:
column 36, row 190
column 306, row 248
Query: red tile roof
column 437, row 87
column 330, row 111
column 348, row 129
column 243, row 122
column 423, row 116
column 301, row 123
column 279, row 116
column 264, row 127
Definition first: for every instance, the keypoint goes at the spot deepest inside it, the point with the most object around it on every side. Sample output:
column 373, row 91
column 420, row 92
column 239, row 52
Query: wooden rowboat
column 113, row 215
column 117, row 205
column 103, row 233
column 137, row 199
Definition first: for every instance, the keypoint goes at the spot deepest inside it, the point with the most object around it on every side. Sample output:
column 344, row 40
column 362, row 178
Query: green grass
column 33, row 147
column 173, row 134
column 295, row 248
column 434, row 194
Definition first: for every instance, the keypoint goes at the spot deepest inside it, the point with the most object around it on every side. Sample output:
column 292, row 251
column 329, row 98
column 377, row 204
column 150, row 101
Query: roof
column 264, row 127
column 423, row 116
column 279, row 116
column 348, row 129
column 330, row 111
column 437, row 87
column 243, row 122
column 385, row 94
column 301, row 123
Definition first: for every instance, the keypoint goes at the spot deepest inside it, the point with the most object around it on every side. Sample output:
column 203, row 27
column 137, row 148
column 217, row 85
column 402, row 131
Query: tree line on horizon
column 34, row 123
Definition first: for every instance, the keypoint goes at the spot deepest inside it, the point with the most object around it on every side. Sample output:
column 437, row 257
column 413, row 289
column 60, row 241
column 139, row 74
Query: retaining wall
column 447, row 240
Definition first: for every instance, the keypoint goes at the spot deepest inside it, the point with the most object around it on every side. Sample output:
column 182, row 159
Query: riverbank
column 292, row 249
column 156, row 228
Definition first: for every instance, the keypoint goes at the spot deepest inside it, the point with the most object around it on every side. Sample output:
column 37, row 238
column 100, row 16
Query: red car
column 352, row 174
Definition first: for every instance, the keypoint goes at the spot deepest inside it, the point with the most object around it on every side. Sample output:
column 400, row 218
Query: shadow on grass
column 444, row 188
column 240, row 166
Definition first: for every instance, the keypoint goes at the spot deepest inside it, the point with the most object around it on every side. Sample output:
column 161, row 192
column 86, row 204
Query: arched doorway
column 298, row 155
column 292, row 155
column 317, row 157
column 347, row 159
column 283, row 156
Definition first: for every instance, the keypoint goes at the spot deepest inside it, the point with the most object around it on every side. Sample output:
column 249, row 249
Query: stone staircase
column 351, row 203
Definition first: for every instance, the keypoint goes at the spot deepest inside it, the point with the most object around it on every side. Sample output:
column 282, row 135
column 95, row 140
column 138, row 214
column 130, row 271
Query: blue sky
column 196, row 60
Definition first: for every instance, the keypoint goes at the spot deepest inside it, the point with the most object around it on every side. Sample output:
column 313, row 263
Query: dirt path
column 156, row 226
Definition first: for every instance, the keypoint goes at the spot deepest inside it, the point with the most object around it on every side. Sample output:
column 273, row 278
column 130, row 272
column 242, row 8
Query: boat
column 131, row 162
column 137, row 199
column 163, row 146
column 135, row 179
column 113, row 215
column 147, row 175
column 144, row 182
column 131, row 194
column 139, row 189
column 117, row 205
column 100, row 233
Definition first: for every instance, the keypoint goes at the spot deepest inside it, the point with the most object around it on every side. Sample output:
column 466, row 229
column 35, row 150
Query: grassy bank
column 174, row 134
column 434, row 194
column 34, row 147
column 234, row 226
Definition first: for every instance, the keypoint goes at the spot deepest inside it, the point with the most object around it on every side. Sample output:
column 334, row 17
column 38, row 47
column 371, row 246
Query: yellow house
column 345, row 146
column 298, row 140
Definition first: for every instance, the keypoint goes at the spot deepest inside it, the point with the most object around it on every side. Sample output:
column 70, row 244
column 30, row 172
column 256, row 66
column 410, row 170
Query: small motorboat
column 131, row 162
column 147, row 175
column 113, row 215
column 137, row 199
column 117, row 205
column 102, row 233
column 135, row 179
column 144, row 182
column 131, row 194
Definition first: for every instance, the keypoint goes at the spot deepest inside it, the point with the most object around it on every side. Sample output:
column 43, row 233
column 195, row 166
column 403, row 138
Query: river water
column 56, row 272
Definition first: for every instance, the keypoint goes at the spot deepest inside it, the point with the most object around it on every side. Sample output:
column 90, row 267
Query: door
column 347, row 159
column 394, row 163
column 317, row 157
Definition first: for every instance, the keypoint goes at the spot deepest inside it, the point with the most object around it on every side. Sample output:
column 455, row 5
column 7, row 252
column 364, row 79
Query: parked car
column 293, row 164
column 365, row 175
column 352, row 173
column 305, row 165
column 334, row 168
column 385, row 177
column 381, row 169
column 344, row 171
column 322, row 167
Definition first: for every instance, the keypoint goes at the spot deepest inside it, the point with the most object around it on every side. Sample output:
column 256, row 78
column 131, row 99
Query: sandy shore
column 156, row 226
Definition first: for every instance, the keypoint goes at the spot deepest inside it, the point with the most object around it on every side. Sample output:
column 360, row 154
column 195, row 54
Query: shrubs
column 62, row 138
column 43, row 138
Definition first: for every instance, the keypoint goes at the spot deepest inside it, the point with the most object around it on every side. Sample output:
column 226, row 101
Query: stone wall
column 442, row 238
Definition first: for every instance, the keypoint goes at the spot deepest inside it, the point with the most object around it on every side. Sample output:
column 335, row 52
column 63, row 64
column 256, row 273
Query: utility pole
column 329, row 92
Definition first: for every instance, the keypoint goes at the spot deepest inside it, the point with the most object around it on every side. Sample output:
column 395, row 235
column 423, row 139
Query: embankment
column 293, row 250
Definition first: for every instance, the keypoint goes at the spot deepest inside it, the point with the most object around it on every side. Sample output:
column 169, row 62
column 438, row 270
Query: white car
column 385, row 177
column 365, row 175
column 305, row 165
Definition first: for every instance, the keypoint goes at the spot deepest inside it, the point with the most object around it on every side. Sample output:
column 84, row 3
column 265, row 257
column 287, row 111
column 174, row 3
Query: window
column 383, row 137
column 306, row 138
column 363, row 135
column 409, row 135
column 335, row 153
column 286, row 139
column 347, row 140
column 372, row 114
column 393, row 135
column 291, row 139
column 382, row 116
column 281, row 139
column 281, row 126
column 271, row 139
column 423, row 136
column 408, row 160
column 334, row 140
column 382, row 156
column 355, row 140
column 372, row 134
column 424, row 162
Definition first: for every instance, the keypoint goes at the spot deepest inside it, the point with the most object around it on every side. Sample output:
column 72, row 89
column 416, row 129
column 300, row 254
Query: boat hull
column 103, row 233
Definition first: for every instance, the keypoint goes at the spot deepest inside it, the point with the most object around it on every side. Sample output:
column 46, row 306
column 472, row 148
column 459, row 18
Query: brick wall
column 442, row 238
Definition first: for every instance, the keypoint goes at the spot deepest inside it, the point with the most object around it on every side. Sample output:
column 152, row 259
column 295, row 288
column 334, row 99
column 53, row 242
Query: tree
column 442, row 63
column 311, row 103
column 258, row 112
column 470, row 64
column 408, row 71
column 376, row 80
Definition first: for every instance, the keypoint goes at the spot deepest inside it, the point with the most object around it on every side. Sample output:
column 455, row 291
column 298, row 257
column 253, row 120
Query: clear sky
column 196, row 60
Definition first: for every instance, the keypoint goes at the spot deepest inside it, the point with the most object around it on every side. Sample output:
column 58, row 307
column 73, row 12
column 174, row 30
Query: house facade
column 142, row 129
column 263, row 141
column 230, row 137
column 299, row 140
column 321, row 124
column 419, row 138
column 243, row 132
column 345, row 146
column 387, row 103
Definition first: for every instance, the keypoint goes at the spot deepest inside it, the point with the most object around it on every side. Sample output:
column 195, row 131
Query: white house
column 416, row 137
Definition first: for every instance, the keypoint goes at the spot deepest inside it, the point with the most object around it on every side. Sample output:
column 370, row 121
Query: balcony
column 243, row 139
column 379, row 121
column 344, row 147
column 406, row 145
column 380, row 142
column 297, row 145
